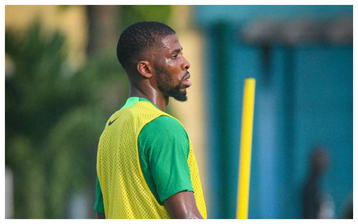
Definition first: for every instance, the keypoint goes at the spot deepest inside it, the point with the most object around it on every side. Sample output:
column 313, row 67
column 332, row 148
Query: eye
column 176, row 56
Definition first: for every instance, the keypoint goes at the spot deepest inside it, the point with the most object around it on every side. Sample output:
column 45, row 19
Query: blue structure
column 302, row 59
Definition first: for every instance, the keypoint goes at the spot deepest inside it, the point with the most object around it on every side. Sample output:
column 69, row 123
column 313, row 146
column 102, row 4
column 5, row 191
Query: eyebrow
column 177, row 50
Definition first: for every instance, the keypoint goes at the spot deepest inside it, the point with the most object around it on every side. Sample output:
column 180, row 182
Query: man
column 145, row 164
column 315, row 203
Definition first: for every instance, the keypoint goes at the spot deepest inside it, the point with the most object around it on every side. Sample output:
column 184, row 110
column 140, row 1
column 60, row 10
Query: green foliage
column 135, row 13
column 53, row 119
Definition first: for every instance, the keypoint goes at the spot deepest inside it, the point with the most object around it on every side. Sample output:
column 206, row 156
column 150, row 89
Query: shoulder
column 164, row 125
column 164, row 131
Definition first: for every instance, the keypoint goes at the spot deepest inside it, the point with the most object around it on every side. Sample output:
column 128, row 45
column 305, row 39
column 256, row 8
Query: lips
column 187, row 83
column 186, row 80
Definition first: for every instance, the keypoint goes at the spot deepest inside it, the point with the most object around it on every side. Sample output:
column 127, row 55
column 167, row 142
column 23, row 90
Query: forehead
column 171, row 43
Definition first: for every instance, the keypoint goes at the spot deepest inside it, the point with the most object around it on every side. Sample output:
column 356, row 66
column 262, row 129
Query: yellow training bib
column 126, row 194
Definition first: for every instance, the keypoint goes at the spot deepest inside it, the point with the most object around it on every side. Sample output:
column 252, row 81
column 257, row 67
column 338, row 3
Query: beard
column 166, row 85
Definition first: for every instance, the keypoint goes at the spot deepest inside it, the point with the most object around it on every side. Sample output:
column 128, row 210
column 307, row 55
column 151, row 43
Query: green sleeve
column 163, row 151
column 98, row 206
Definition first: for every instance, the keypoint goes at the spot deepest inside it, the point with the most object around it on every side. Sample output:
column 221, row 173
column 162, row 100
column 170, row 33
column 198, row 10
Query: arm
column 100, row 215
column 182, row 206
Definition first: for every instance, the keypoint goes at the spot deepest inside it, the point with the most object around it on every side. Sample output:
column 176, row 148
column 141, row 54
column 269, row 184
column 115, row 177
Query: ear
column 144, row 69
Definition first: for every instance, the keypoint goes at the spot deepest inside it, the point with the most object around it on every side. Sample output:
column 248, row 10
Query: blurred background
column 63, row 81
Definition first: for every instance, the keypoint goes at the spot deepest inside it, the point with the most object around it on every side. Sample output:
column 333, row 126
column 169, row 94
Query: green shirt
column 163, row 147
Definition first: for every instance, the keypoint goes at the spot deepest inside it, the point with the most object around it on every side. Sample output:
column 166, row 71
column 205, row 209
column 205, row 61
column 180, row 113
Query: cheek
column 171, row 63
column 174, row 70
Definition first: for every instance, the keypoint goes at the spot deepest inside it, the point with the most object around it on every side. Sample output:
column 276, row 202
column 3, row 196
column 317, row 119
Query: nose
column 186, row 64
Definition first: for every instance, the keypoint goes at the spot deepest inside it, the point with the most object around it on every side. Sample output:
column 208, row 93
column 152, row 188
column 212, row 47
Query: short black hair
column 138, row 39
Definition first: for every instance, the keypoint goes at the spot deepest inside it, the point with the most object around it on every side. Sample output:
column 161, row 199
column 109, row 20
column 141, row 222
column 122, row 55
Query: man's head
column 152, row 50
column 319, row 160
column 138, row 39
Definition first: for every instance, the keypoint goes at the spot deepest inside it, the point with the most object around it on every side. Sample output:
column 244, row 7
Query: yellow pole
column 245, row 151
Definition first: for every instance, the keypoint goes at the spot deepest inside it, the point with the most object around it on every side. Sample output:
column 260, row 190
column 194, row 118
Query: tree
column 53, row 119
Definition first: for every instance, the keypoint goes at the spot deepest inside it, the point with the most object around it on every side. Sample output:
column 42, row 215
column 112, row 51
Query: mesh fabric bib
column 126, row 194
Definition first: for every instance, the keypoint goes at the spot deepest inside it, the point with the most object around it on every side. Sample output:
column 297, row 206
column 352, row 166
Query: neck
column 151, row 94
